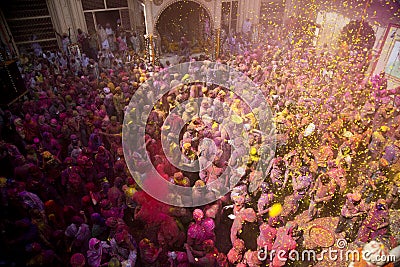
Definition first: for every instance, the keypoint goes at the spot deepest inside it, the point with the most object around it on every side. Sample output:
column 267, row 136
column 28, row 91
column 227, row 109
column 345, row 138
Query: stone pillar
column 256, row 12
column 77, row 15
column 61, row 17
column 67, row 14
column 217, row 14
column 150, row 32
column 217, row 27
column 133, row 13
column 149, row 19
column 242, row 15
column 292, row 8
column 249, row 9
column 253, row 10
column 55, row 19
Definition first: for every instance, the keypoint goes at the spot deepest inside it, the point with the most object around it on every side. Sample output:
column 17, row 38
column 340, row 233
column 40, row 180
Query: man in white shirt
column 135, row 42
column 246, row 28
column 110, row 36
column 85, row 61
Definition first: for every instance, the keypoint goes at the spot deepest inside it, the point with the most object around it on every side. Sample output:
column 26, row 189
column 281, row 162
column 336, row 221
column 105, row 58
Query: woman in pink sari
column 97, row 252
column 235, row 254
column 284, row 243
column 196, row 233
column 376, row 224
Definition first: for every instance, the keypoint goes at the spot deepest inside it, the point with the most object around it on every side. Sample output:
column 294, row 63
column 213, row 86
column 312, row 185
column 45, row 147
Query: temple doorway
column 186, row 19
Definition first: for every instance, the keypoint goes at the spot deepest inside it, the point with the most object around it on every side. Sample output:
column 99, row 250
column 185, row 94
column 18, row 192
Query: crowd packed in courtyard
column 69, row 199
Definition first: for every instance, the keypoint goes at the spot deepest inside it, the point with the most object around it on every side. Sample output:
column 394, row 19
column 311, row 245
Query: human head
column 114, row 262
column 381, row 204
column 113, row 120
column 354, row 197
column 198, row 215
column 78, row 260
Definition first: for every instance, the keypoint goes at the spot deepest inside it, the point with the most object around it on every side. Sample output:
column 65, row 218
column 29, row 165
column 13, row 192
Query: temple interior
column 212, row 133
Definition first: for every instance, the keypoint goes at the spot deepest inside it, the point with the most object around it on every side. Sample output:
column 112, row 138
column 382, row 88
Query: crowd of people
column 68, row 198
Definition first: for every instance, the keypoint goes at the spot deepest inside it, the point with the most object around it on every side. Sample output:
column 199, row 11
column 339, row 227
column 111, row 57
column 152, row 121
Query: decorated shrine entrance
column 186, row 19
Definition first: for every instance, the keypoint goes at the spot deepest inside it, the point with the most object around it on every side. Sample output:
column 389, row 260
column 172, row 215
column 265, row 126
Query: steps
column 26, row 18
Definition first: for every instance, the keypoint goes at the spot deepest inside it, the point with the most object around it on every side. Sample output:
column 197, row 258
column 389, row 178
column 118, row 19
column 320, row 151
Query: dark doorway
column 184, row 19
column 104, row 17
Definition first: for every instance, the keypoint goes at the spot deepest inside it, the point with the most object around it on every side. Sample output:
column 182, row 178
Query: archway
column 187, row 19
column 359, row 35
